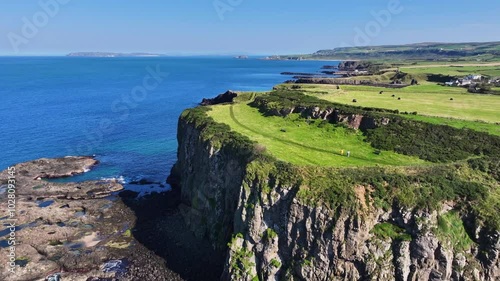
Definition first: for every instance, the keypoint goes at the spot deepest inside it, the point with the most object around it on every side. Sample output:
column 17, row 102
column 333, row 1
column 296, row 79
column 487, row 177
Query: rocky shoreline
column 81, row 231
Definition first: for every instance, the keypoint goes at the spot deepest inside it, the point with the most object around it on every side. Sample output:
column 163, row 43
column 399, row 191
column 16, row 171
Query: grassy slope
column 421, row 72
column 491, row 70
column 432, row 100
column 463, row 52
column 491, row 128
column 303, row 143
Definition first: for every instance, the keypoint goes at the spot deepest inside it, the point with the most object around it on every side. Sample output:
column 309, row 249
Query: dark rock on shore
column 160, row 226
column 330, row 67
column 128, row 194
column 328, row 72
column 352, row 65
column 298, row 73
column 30, row 179
column 222, row 98
column 57, row 168
column 143, row 181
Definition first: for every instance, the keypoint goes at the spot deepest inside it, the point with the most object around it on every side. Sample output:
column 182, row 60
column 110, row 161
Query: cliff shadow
column 161, row 228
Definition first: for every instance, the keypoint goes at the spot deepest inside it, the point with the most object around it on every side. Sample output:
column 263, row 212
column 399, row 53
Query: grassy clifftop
column 302, row 139
column 306, row 142
column 398, row 163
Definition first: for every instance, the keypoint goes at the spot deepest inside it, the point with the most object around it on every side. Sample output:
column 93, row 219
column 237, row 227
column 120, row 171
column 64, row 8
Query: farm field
column 454, row 70
column 429, row 100
column 490, row 128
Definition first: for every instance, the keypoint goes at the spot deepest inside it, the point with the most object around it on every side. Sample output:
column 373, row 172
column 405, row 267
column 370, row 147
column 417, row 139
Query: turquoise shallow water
column 58, row 106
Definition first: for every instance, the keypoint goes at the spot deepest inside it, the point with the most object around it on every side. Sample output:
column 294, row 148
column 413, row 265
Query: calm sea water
column 58, row 106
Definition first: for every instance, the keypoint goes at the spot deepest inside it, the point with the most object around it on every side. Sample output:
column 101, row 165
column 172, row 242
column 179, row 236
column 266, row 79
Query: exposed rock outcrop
column 30, row 179
column 79, row 231
column 357, row 121
column 222, row 98
column 353, row 65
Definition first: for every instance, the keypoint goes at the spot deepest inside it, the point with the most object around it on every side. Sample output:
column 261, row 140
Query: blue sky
column 238, row 26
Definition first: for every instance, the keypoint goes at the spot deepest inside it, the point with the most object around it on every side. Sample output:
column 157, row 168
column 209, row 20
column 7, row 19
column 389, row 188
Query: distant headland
column 111, row 55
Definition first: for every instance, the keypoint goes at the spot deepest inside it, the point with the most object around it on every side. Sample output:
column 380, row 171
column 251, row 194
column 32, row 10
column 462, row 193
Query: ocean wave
column 119, row 179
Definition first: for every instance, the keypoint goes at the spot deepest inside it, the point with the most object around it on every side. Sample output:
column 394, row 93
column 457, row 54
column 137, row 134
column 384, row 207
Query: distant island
column 284, row 58
column 111, row 55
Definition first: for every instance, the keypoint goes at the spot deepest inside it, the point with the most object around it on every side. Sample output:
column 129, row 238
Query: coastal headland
column 343, row 180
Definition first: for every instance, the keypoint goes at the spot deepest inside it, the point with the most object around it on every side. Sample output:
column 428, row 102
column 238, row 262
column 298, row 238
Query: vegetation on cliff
column 218, row 133
column 388, row 230
column 431, row 142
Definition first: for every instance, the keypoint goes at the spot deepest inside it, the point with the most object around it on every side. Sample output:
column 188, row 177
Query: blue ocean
column 122, row 110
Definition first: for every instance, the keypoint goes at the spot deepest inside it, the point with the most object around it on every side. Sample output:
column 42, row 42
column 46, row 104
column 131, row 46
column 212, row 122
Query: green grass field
column 411, row 53
column 430, row 100
column 422, row 71
column 453, row 70
column 293, row 140
column 490, row 128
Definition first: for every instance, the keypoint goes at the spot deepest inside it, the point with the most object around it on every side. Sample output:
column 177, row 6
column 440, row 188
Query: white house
column 495, row 80
column 473, row 77
column 459, row 82
column 465, row 82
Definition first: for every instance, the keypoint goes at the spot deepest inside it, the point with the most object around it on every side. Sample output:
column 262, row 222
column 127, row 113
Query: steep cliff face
column 293, row 241
column 274, row 232
column 210, row 179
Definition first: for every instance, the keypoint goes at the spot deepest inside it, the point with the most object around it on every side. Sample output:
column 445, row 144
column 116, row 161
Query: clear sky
column 237, row 26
